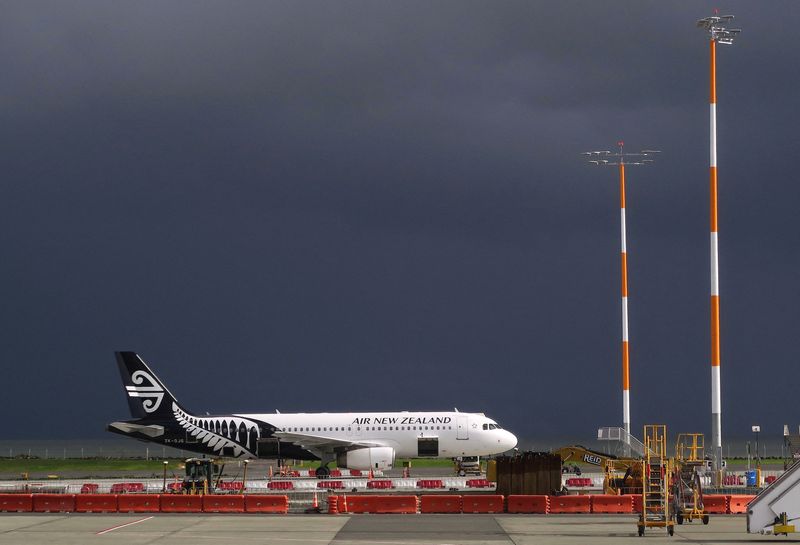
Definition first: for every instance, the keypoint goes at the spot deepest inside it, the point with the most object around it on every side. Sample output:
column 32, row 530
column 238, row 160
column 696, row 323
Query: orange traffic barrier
column 333, row 505
column 330, row 485
column 439, row 504
column 358, row 504
column 280, row 485
column 16, row 503
column 179, row 503
column 43, row 503
column 479, row 483
column 383, row 483
column 637, row 502
column 230, row 485
column 139, row 503
column 223, row 503
column 529, row 504
column 395, row 504
column 90, row 488
column 430, row 483
column 124, row 488
column 482, row 503
column 266, row 504
column 715, row 503
column 570, row 504
column 603, row 503
column 96, row 503
column 738, row 504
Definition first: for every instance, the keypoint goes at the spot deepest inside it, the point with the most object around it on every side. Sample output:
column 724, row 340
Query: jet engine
column 366, row 458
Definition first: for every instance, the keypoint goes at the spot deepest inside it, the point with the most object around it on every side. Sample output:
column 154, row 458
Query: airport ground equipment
column 201, row 476
column 777, row 506
column 621, row 475
column 467, row 465
column 687, row 489
column 656, row 468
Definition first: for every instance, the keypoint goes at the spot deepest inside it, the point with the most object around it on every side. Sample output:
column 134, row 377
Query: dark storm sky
column 347, row 206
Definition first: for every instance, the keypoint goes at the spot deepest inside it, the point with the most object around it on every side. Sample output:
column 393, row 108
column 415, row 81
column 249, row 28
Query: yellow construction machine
column 622, row 475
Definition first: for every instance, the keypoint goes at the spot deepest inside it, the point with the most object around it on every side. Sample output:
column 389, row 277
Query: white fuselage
column 458, row 434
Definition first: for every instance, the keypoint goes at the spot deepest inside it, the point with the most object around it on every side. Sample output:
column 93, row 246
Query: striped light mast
column 716, row 26
column 606, row 158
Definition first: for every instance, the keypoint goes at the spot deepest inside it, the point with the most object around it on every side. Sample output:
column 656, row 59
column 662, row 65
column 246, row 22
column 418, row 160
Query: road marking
column 107, row 530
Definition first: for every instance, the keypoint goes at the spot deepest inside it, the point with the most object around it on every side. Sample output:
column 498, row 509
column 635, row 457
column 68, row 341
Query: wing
column 321, row 443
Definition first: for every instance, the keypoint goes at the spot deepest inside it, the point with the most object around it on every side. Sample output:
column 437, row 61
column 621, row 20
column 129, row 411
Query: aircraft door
column 462, row 427
column 428, row 446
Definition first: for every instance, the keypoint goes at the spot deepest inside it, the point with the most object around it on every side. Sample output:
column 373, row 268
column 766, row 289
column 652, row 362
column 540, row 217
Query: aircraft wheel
column 679, row 518
column 323, row 472
column 641, row 531
column 705, row 519
column 671, row 530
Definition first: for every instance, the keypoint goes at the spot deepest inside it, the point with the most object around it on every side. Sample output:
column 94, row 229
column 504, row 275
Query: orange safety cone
column 270, row 473
column 343, row 503
column 371, row 475
column 315, row 505
column 333, row 505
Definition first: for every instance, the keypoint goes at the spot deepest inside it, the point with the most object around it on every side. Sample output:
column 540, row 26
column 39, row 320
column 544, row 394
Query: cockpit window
column 486, row 426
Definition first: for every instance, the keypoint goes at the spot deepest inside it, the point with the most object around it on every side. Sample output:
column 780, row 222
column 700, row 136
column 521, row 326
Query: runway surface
column 165, row 529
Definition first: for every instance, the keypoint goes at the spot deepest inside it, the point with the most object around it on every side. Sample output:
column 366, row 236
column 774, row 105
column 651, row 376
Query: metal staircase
column 656, row 468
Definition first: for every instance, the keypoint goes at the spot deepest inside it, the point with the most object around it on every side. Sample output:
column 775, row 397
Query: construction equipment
column 200, row 474
column 687, row 490
column 622, row 475
column 656, row 468
column 776, row 506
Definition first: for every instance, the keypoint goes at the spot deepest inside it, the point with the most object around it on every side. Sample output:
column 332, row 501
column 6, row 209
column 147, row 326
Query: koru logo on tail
column 146, row 388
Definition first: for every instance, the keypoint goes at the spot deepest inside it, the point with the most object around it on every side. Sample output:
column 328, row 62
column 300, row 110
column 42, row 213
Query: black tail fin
column 148, row 398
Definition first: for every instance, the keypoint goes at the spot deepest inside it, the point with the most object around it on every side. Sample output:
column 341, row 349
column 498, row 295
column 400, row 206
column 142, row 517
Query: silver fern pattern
column 218, row 433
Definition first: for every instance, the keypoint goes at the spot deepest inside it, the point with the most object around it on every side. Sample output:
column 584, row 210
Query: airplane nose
column 510, row 440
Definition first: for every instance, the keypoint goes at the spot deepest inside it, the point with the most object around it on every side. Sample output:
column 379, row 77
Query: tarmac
column 166, row 529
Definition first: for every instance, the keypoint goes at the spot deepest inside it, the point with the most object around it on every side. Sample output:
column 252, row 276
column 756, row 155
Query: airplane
column 354, row 440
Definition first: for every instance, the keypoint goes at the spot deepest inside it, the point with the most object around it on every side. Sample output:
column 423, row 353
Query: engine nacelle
column 366, row 458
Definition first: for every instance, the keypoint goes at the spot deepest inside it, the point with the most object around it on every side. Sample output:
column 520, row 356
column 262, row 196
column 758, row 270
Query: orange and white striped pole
column 715, row 25
column 606, row 158
column 716, row 384
column 626, row 382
